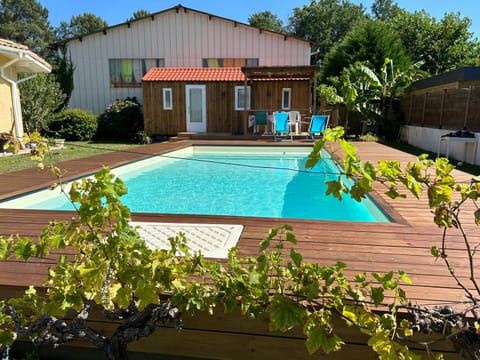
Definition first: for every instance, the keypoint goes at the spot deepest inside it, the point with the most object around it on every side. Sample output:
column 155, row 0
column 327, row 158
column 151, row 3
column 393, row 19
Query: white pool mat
column 214, row 240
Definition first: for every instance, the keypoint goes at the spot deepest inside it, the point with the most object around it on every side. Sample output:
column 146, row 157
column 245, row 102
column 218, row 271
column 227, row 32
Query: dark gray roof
column 464, row 74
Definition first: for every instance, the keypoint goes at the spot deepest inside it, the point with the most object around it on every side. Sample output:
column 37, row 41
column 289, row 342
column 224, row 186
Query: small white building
column 109, row 64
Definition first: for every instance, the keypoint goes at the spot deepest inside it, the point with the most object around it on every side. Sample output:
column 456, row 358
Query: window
column 167, row 99
column 229, row 62
column 286, row 98
column 209, row 63
column 126, row 73
column 251, row 62
column 240, row 98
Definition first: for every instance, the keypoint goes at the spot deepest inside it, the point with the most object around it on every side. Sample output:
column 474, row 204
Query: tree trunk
column 116, row 349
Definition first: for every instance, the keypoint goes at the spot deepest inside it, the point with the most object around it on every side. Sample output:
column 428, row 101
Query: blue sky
column 117, row 11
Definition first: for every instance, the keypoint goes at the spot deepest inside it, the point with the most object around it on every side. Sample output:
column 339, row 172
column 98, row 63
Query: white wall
column 183, row 39
column 429, row 139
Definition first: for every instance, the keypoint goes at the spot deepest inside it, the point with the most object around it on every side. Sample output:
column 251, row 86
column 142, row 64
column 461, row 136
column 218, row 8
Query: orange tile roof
column 14, row 45
column 194, row 74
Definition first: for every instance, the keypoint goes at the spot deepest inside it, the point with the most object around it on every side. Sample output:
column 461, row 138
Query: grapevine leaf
column 296, row 257
column 23, row 249
column 285, row 313
column 404, row 277
column 377, row 295
column 320, row 338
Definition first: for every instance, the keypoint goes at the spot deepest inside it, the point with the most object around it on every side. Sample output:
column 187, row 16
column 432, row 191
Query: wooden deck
column 365, row 247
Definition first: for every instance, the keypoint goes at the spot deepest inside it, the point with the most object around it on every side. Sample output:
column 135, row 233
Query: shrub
column 73, row 124
column 41, row 97
column 122, row 120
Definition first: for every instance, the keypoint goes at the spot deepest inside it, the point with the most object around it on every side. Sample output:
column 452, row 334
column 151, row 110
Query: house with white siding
column 109, row 64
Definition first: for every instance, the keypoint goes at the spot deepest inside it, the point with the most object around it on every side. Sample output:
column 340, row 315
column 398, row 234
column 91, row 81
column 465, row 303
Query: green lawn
column 71, row 151
column 468, row 168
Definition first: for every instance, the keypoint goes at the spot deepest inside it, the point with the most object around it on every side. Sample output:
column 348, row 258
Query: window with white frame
column 167, row 99
column 286, row 98
column 128, row 73
column 240, row 98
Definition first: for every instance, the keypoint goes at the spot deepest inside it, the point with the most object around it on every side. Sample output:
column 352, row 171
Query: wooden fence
column 453, row 109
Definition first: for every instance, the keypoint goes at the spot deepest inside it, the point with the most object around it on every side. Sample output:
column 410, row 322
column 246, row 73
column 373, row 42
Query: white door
column 196, row 108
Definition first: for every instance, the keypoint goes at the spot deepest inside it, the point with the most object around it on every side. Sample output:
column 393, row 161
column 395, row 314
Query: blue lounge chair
column 260, row 120
column 282, row 125
column 317, row 125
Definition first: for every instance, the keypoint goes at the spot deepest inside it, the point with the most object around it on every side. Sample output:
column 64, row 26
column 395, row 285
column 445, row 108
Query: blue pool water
column 235, row 181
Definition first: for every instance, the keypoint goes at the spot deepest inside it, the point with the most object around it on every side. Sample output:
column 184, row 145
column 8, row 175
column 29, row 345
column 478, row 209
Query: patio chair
column 260, row 120
column 295, row 120
column 282, row 125
column 317, row 125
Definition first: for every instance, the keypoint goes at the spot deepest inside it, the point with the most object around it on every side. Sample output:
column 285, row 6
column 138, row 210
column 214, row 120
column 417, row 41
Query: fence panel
column 444, row 109
column 433, row 110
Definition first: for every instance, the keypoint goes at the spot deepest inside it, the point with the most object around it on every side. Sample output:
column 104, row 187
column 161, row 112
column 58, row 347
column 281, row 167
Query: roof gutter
column 17, row 115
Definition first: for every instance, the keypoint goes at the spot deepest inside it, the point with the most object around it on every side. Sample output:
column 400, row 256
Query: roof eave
column 28, row 61
column 177, row 8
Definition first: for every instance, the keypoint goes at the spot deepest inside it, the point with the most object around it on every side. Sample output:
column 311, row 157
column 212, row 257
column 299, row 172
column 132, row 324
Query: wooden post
column 314, row 93
column 467, row 106
column 245, row 118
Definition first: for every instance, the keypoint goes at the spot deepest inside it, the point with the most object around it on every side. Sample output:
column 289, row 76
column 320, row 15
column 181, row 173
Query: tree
column 63, row 69
column 358, row 87
column 85, row 23
column 139, row 14
column 394, row 82
column 384, row 10
column 40, row 98
column 325, row 23
column 26, row 22
column 443, row 45
column 362, row 89
column 266, row 20
column 370, row 41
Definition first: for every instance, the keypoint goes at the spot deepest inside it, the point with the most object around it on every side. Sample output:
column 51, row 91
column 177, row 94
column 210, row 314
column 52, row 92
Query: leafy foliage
column 40, row 97
column 266, row 20
column 325, row 23
column 371, row 93
column 358, row 87
column 384, row 10
column 73, row 125
column 85, row 23
column 139, row 14
column 369, row 41
column 25, row 22
column 63, row 69
column 122, row 120
column 443, row 45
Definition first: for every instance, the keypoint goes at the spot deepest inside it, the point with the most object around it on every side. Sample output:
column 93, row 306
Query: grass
column 468, row 168
column 71, row 151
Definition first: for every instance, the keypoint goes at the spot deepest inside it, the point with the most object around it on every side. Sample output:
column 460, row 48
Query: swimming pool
column 253, row 181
